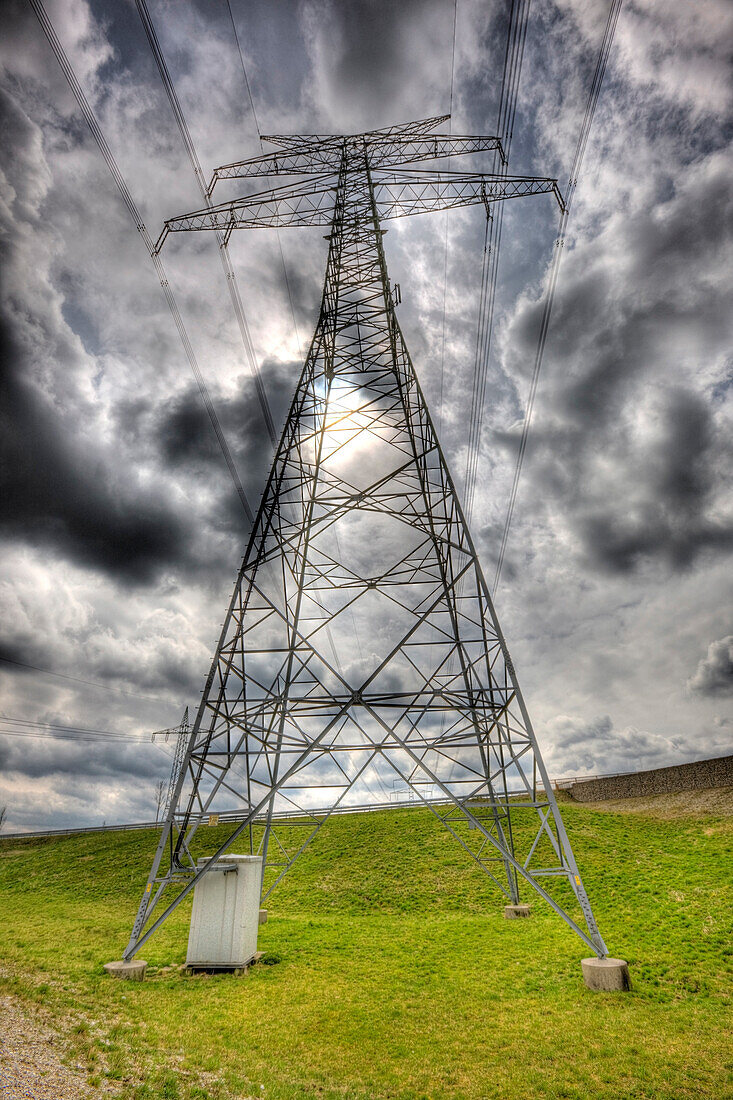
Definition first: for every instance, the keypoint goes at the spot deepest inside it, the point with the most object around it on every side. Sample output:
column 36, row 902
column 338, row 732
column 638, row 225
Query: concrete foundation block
column 513, row 912
column 133, row 971
column 606, row 975
column 263, row 916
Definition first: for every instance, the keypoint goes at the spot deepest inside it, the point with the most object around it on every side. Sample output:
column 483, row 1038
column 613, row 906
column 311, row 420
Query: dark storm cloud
column 67, row 498
column 374, row 41
column 20, row 652
column 370, row 41
column 178, row 673
column 50, row 782
column 635, row 459
column 59, row 489
column 714, row 674
column 189, row 450
column 670, row 518
column 303, row 288
column 49, row 756
column 185, row 435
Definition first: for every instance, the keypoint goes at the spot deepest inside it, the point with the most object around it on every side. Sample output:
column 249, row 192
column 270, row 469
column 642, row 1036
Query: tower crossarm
column 306, row 152
column 420, row 126
column 308, row 203
column 302, row 159
column 399, row 194
column 384, row 151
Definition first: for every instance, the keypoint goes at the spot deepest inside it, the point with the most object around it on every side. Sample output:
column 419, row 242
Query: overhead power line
column 511, row 72
column 79, row 680
column 134, row 212
column 262, row 149
column 593, row 95
column 321, row 611
column 244, row 68
column 22, row 727
column 39, row 731
column 445, row 218
column 510, row 80
column 226, row 262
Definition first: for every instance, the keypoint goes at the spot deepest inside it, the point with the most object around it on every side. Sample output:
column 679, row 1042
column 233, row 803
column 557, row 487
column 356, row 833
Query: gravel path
column 30, row 1059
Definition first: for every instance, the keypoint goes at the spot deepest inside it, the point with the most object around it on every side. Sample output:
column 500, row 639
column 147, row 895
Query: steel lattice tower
column 360, row 535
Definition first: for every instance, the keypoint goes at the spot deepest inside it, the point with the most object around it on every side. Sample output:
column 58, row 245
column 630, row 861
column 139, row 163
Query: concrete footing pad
column 263, row 916
column 512, row 912
column 606, row 975
column 133, row 971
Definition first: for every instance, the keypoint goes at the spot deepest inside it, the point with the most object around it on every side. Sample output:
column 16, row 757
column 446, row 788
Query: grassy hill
column 392, row 973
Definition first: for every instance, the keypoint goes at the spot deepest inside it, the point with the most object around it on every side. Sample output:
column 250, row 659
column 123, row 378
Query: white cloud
column 580, row 747
column 714, row 674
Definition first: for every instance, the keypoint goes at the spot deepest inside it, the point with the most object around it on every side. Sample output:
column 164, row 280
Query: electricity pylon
column 361, row 636
column 181, row 734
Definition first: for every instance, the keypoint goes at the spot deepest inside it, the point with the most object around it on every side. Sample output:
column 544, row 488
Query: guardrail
column 282, row 816
column 223, row 819
column 564, row 784
column 81, row 829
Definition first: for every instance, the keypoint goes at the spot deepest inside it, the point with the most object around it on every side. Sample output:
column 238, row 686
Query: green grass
column 392, row 971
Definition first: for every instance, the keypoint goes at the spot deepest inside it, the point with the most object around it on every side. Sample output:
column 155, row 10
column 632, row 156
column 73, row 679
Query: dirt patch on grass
column 31, row 1059
column 712, row 801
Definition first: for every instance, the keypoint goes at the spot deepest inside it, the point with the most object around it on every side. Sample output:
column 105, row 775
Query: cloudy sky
column 120, row 529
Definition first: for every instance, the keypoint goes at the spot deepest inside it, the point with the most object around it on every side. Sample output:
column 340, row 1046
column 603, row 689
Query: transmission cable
column 244, row 67
column 590, row 108
column 511, row 74
column 229, row 271
column 74, row 733
column 129, row 202
column 24, row 728
column 267, row 178
column 445, row 217
column 78, row 680
column 226, row 262
column 322, row 611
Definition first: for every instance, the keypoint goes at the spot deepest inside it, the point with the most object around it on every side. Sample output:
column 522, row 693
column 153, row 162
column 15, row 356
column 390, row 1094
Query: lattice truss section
column 361, row 643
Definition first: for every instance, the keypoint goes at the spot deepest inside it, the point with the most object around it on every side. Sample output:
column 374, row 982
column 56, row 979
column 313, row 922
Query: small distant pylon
column 361, row 637
column 180, row 733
